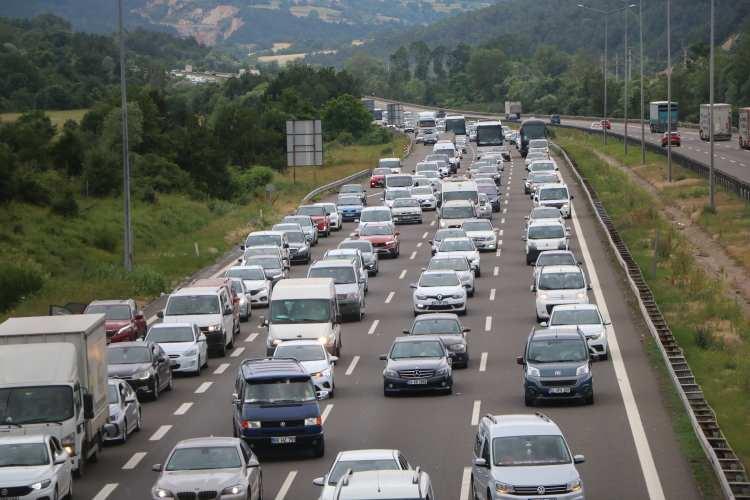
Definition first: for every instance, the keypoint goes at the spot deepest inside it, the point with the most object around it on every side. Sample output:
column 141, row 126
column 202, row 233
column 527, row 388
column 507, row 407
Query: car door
column 481, row 473
column 130, row 403
column 252, row 471
column 162, row 365
column 62, row 471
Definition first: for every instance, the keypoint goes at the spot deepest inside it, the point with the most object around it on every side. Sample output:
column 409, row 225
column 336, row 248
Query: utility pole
column 627, row 79
column 643, row 125
column 711, row 184
column 128, row 233
column 604, row 127
column 669, row 90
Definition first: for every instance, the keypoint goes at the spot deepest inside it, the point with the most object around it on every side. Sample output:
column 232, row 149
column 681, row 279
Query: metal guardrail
column 727, row 466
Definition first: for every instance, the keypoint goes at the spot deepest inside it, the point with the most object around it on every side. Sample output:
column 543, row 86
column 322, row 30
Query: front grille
column 197, row 495
column 419, row 373
column 282, row 423
column 341, row 296
column 378, row 244
column 174, row 356
column 555, row 489
column 17, row 491
column 558, row 383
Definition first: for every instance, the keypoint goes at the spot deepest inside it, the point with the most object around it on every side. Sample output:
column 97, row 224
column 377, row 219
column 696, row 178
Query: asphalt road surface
column 626, row 436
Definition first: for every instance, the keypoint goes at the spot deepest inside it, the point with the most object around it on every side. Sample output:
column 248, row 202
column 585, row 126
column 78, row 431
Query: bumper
column 598, row 346
column 410, row 385
column 140, row 386
column 215, row 340
column 428, row 205
column 374, row 183
column 407, row 218
column 268, row 439
column 386, row 250
column 422, row 306
column 185, row 363
column 298, row 257
column 459, row 358
column 261, row 299
column 578, row 495
column 544, row 389
column 485, row 244
column 349, row 308
column 350, row 216
column 544, row 308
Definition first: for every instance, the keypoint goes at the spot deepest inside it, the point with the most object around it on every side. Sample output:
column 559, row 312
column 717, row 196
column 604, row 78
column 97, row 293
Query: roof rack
column 542, row 416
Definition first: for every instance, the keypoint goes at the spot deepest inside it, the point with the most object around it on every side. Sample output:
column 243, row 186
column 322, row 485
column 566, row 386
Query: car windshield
column 479, row 225
column 561, row 281
column 312, row 211
column 342, row 466
column 451, row 245
column 23, row 455
column 26, row 405
column 128, row 355
column 575, row 317
column 111, row 312
column 204, row 458
column 467, row 195
column 246, row 274
column 448, row 264
column 264, row 262
column 543, row 178
column 556, row 259
column 442, row 234
column 389, row 164
column 546, row 232
column 362, row 246
column 376, row 230
column 554, row 194
column 543, row 166
column 382, row 171
column 300, row 311
column 295, row 237
column 438, row 279
column 538, row 143
column 279, row 391
column 557, row 351
column 465, row 212
column 349, row 200
column 417, row 349
column 303, row 221
column 422, row 190
column 351, row 188
column 437, row 157
column 431, row 174
column 436, row 327
column 546, row 213
column 263, row 240
column 488, row 169
column 192, row 304
column 340, row 275
column 167, row 334
column 405, row 202
column 394, row 194
column 300, row 352
column 375, row 216
column 398, row 181
column 518, row 451
column 536, row 155
column 113, row 396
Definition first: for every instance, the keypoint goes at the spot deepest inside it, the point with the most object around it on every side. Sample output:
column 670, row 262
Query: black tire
column 529, row 401
column 604, row 357
column 155, row 389
column 222, row 350
column 477, row 273
column 463, row 313
column 69, row 496
column 470, row 293
column 78, row 473
column 124, row 438
column 320, row 449
column 589, row 399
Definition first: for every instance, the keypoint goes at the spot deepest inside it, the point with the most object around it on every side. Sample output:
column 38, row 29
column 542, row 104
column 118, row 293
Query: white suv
column 523, row 456
column 559, row 285
column 385, row 485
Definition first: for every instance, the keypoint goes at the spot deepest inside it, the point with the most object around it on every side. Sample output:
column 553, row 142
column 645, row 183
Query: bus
column 489, row 134
column 533, row 128
column 455, row 124
column 426, row 120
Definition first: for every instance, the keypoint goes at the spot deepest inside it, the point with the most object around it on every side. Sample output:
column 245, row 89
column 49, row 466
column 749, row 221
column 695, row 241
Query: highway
column 627, row 437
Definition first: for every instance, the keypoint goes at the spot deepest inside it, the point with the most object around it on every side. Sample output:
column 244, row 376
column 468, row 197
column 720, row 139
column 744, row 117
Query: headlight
column 390, row 373
column 457, row 347
column 532, row 371
column 191, row 352
column 144, row 375
column 233, row 490
column 322, row 373
column 41, row 484
column 214, row 328
column 542, row 296
column 594, row 337
column 351, row 295
column 421, row 297
column 69, row 444
column 581, row 295
column 443, row 371
column 390, row 242
column 313, row 421
column 582, row 370
column 503, row 488
column 276, row 341
column 162, row 493
column 575, row 486
column 251, row 424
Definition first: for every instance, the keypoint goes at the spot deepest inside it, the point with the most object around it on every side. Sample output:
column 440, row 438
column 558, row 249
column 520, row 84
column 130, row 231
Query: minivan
column 348, row 282
column 554, row 195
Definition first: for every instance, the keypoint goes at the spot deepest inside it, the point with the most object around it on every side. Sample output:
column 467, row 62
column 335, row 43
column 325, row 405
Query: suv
column 358, row 461
column 557, row 366
column 275, row 404
column 523, row 456
column 350, row 288
column 557, row 285
column 417, row 363
column 122, row 319
column 588, row 319
column 554, row 195
column 385, row 485
column 319, row 216
column 544, row 234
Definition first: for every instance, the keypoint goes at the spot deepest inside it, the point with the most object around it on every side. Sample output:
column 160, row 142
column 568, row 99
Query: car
column 256, row 282
column 243, row 298
column 441, row 234
column 556, row 365
column 267, row 239
column 375, row 214
column 554, row 195
column 314, row 358
column 354, row 256
column 606, row 124
column 406, row 210
column 461, row 247
column 542, row 213
column 556, row 285
column 385, row 485
column 319, row 216
column 451, row 332
column 544, row 234
column 425, row 196
column 554, row 119
column 392, row 194
column 299, row 248
column 358, row 461
column 354, row 189
column 536, row 179
column 481, row 233
column 124, row 410
column 307, row 225
column 587, row 319
column 366, row 249
column 383, row 236
column 554, row 258
column 350, row 207
column 209, row 467
column 272, row 265
column 484, row 207
column 417, row 363
column 377, row 178
column 123, row 321
column 438, row 291
column 453, row 213
column 350, row 289
column 532, row 156
column 393, row 164
column 459, row 264
column 34, row 467
column 333, row 214
column 184, row 343
column 674, row 137
column 143, row 365
column 523, row 456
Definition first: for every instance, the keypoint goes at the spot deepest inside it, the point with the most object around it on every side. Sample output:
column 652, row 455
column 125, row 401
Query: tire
column 386, row 393
column 222, row 351
column 155, row 389
column 470, row 293
column 463, row 313
column 529, row 401
column 448, row 391
column 69, row 496
column 589, row 400
column 78, row 473
column 472, row 492
column 139, row 422
column 124, row 438
column 320, row 449
column 477, row 273
column 604, row 357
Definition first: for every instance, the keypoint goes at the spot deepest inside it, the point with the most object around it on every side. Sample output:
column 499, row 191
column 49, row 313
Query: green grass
column 709, row 326
column 58, row 118
column 80, row 258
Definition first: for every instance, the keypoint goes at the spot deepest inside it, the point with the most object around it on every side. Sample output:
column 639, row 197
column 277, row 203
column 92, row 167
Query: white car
column 255, row 281
column 453, row 213
column 460, row 265
column 481, row 233
column 537, row 155
column 358, row 461
column 425, row 196
column 392, row 194
column 557, row 285
column 461, row 247
column 34, row 466
column 554, row 195
column 406, row 210
column 184, row 343
column 439, row 291
column 554, row 258
column 243, row 298
column 314, row 358
column 587, row 319
column 334, row 217
column 544, row 234
column 124, row 410
column 441, row 234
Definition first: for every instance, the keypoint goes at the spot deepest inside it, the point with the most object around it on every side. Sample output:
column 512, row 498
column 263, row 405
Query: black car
column 417, row 363
column 554, row 119
column 451, row 333
column 143, row 365
column 557, row 366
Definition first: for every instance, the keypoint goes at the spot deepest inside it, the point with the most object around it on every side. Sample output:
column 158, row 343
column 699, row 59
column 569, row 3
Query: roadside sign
column 304, row 143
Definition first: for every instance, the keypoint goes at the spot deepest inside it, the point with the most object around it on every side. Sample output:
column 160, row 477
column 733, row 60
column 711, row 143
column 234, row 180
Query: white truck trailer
column 722, row 122
column 743, row 127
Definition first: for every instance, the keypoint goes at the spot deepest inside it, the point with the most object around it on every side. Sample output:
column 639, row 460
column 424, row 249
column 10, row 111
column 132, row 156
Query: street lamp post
column 627, row 79
column 128, row 232
column 643, row 125
column 711, row 183
column 669, row 90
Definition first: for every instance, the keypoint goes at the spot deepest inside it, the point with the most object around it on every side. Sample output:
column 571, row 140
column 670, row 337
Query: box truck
column 743, row 127
column 513, row 110
column 658, row 117
column 395, row 114
column 369, row 104
column 722, row 122
column 53, row 380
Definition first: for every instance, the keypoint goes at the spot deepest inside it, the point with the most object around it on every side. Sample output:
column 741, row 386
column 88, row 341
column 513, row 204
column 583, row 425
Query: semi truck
column 53, row 380
column 722, row 122
column 369, row 104
column 743, row 127
column 513, row 110
column 395, row 114
column 658, row 117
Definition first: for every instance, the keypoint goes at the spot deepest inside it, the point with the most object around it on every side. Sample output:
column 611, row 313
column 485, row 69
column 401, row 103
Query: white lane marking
column 374, row 194
column 506, row 201
column 723, row 157
column 432, row 223
column 483, row 362
column 733, row 161
column 389, row 297
column 465, row 484
column 237, row 352
column 424, row 236
column 326, row 412
column 183, row 409
column 488, row 323
column 221, row 368
column 475, row 412
column 352, row 366
column 160, row 433
column 419, row 244
column 505, row 210
column 251, row 337
column 374, row 325
column 742, row 164
column 496, row 271
column 151, row 320
column 499, row 251
column 203, row 387
column 502, row 221
column 106, row 491
column 413, row 255
column 134, row 461
column 281, row 495
column 646, row 459
column 403, row 273
column 492, row 294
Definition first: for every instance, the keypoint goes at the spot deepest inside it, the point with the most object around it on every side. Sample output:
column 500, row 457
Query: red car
column 383, row 236
column 377, row 179
column 606, row 124
column 675, row 139
column 319, row 217
column 123, row 321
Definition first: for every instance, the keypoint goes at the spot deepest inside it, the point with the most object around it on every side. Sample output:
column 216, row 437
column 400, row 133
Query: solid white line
column 374, row 194
column 389, row 297
column 475, row 412
column 496, row 271
column 281, row 495
column 237, row 352
column 413, row 255
column 203, row 387
column 374, row 325
column 326, row 412
column 183, row 409
column 134, row 461
column 646, row 459
column 106, row 491
column 483, row 362
column 221, row 368
column 492, row 294
column 150, row 321
column 352, row 366
column 160, row 433
column 465, row 484
column 251, row 337
column 488, row 323
column 424, row 236
column 403, row 273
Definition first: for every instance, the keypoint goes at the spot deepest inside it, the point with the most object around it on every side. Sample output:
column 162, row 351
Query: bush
column 16, row 282
column 376, row 135
column 147, row 194
column 345, row 138
column 65, row 204
column 102, row 172
column 104, row 238
column 704, row 337
column 252, row 181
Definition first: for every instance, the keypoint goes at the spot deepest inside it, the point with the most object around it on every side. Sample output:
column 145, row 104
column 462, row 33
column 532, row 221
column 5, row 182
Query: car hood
column 346, row 288
column 350, row 207
column 444, row 222
column 379, row 238
column 270, row 272
column 547, row 244
column 176, row 347
column 405, row 210
column 114, row 325
column 115, row 370
column 423, row 197
column 255, row 284
column 480, row 234
column 208, row 480
column 315, row 366
column 529, row 476
column 410, row 363
column 293, row 331
column 590, row 330
column 469, row 254
column 438, row 290
column 297, row 244
column 23, row 476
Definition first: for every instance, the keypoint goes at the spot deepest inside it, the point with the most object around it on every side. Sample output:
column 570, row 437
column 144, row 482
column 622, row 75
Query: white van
column 454, row 213
column 304, row 308
column 399, row 181
column 459, row 190
column 375, row 214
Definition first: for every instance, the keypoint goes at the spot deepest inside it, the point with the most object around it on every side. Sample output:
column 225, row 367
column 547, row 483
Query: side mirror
column 397, row 233
column 286, row 245
column 264, row 322
column 588, row 287
column 572, row 197
column 339, row 317
column 480, row 462
column 239, row 260
column 60, row 458
column 413, row 285
column 334, row 359
column 235, row 399
column 88, row 406
column 383, row 357
column 253, row 462
column 607, row 323
column 160, row 315
column 227, row 311
column 139, row 315
column 466, row 330
column 579, row 459
column 532, row 288
column 242, row 247
column 405, row 332
column 156, row 467
column 523, row 238
column 520, row 360
column 320, row 395
column 319, row 481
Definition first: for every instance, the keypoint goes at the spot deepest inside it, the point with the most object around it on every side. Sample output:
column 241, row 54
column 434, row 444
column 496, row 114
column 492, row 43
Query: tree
column 421, row 54
column 67, row 152
column 438, row 61
column 487, row 70
column 29, row 137
column 345, row 113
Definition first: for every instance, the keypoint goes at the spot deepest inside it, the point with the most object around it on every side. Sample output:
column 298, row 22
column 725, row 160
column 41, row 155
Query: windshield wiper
column 11, row 424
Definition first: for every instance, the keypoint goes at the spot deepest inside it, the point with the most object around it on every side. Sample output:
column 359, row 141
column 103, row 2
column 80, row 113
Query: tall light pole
column 711, row 185
column 643, row 125
column 128, row 232
column 627, row 73
column 669, row 90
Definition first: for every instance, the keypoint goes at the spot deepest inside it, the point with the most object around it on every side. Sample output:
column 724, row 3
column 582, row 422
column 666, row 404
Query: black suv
column 557, row 366
column 417, row 363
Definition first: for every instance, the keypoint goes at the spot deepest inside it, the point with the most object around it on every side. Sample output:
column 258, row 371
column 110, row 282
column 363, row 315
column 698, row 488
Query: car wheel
column 590, row 399
column 448, row 391
column 386, row 392
column 155, row 389
column 139, row 422
column 320, row 448
column 477, row 273
column 222, row 349
column 528, row 400
column 124, row 438
column 463, row 313
column 470, row 293
column 56, row 495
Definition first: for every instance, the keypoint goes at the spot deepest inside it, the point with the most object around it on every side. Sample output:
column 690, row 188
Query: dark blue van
column 276, row 406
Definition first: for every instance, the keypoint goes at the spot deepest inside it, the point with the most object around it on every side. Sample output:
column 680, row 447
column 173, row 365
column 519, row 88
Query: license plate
column 420, row 381
column 559, row 390
column 284, row 440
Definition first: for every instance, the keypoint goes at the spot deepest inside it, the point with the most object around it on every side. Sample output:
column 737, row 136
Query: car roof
column 521, row 425
column 372, row 209
column 271, row 368
column 457, row 238
column 475, row 219
column 458, row 203
column 197, row 290
column 561, row 332
column 266, row 233
column 424, row 317
column 370, row 454
column 332, row 263
column 251, row 266
column 412, row 338
column 561, row 269
column 576, row 307
column 133, row 343
column 28, row 438
column 111, row 302
column 207, row 441
column 303, row 342
column 438, row 271
column 545, row 222
column 157, row 326
column 556, row 252
column 385, row 484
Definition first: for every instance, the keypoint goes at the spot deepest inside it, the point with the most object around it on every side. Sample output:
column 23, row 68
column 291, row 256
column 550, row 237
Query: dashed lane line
column 183, row 409
column 495, row 270
column 419, row 245
column 403, row 273
column 134, row 461
column 488, row 323
column 326, row 412
column 203, row 387
column 389, row 298
column 251, row 337
column 237, row 352
column 424, row 236
column 432, row 223
column 413, row 255
column 160, row 433
column 106, row 491
column 483, row 362
column 492, row 294
column 221, row 368
column 286, row 485
column 475, row 412
column 465, row 484
column 352, row 366
column 374, row 325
